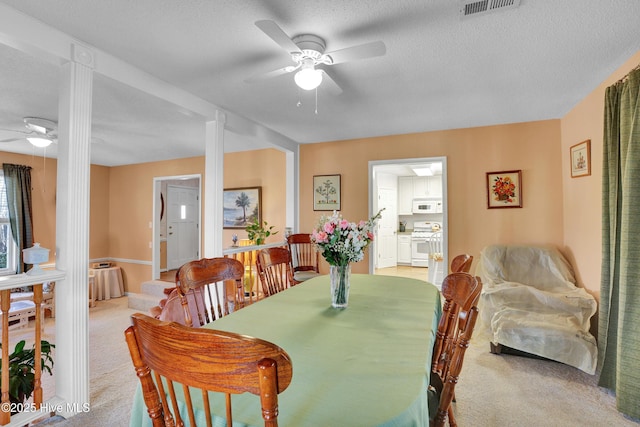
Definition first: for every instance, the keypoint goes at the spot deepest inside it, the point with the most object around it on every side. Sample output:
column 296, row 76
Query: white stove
column 420, row 237
column 425, row 228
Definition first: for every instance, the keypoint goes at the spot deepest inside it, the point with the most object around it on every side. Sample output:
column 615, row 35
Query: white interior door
column 387, row 227
column 182, row 225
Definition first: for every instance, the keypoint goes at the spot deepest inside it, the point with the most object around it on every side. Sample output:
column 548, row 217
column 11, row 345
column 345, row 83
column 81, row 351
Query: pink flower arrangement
column 341, row 241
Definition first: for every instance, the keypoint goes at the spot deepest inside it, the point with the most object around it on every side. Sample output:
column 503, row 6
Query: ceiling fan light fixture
column 308, row 78
column 39, row 141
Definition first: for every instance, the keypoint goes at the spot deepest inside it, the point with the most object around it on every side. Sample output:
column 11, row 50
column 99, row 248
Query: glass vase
column 340, row 279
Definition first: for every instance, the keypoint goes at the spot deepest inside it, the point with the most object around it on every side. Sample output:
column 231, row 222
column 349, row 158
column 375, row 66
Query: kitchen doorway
column 414, row 182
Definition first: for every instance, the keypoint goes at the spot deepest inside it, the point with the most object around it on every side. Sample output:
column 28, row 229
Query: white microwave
column 427, row 206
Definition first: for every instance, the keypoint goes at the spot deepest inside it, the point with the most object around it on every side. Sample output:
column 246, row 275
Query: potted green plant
column 258, row 231
column 22, row 364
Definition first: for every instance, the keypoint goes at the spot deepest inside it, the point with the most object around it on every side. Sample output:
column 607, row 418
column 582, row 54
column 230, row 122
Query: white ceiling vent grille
column 481, row 7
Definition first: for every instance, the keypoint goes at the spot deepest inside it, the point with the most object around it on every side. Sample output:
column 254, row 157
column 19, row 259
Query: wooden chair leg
column 452, row 419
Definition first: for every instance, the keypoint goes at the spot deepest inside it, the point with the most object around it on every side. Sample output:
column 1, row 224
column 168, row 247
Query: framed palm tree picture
column 241, row 206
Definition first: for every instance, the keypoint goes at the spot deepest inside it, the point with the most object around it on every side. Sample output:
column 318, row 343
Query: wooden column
column 37, row 380
column 5, row 305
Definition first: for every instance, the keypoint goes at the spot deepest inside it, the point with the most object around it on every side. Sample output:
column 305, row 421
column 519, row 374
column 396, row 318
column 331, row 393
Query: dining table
column 366, row 365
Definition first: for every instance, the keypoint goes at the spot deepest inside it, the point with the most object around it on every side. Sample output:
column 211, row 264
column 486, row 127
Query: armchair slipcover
column 530, row 302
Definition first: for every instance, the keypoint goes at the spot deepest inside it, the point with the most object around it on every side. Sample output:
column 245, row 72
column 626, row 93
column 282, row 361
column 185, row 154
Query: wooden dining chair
column 274, row 270
column 461, row 263
column 461, row 292
column 304, row 257
column 210, row 288
column 172, row 361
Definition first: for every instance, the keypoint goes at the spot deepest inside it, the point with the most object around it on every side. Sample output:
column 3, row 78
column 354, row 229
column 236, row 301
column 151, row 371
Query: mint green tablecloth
column 367, row 365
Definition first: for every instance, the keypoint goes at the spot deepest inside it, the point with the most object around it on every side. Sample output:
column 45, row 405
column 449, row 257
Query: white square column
column 72, row 227
column 214, row 186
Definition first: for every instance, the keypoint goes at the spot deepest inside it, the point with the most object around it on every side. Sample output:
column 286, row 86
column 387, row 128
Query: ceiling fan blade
column 276, row 33
column 362, row 51
column 271, row 74
column 11, row 139
column 330, row 84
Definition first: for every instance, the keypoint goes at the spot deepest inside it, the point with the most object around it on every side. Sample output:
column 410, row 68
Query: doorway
column 408, row 179
column 176, row 222
column 182, row 225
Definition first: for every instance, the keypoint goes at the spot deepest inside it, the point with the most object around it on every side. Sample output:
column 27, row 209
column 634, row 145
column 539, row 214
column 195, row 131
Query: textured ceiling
column 440, row 71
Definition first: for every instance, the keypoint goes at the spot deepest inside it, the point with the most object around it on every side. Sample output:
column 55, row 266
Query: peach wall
column 260, row 168
column 43, row 192
column 131, row 210
column 557, row 209
column 583, row 196
column 43, row 179
column 131, row 202
column 532, row 147
column 99, row 212
column 121, row 202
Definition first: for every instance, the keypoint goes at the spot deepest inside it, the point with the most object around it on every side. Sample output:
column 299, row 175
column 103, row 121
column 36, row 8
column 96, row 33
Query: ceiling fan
column 40, row 132
column 307, row 52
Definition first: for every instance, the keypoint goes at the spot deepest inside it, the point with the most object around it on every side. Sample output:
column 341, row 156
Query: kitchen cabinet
column 420, row 187
column 416, row 187
column 434, row 186
column 405, row 195
column 404, row 249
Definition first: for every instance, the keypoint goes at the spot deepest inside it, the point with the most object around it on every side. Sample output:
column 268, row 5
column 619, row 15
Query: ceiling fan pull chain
column 316, row 101
column 44, row 170
column 299, row 102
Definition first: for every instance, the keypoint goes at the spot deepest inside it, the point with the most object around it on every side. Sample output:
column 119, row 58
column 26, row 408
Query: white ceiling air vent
column 481, row 7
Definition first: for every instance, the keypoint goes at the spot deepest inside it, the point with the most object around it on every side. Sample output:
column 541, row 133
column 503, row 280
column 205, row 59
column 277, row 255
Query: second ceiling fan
column 307, row 52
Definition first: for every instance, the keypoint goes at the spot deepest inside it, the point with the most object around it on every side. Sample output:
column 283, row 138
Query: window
column 8, row 248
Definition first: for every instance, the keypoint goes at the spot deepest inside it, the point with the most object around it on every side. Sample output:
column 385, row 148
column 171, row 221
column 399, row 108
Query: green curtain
column 619, row 319
column 17, row 179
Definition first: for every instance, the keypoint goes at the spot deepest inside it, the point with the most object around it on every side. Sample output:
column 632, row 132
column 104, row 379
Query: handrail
column 237, row 249
column 247, row 254
column 6, row 284
column 24, row 279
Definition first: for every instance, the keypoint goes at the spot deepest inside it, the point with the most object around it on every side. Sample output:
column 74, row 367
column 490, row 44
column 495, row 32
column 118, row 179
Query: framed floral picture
column 581, row 159
column 241, row 206
column 504, row 189
column 326, row 192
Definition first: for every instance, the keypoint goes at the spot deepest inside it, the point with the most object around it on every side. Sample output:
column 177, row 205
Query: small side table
column 108, row 282
column 92, row 289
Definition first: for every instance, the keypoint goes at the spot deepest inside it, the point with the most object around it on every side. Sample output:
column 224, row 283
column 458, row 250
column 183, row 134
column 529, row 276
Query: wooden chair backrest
column 461, row 263
column 223, row 299
column 461, row 292
column 304, row 256
column 274, row 270
column 205, row 359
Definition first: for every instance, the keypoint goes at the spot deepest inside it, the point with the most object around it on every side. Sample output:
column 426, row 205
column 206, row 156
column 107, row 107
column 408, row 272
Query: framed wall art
column 581, row 159
column 504, row 189
column 241, row 206
column 326, row 192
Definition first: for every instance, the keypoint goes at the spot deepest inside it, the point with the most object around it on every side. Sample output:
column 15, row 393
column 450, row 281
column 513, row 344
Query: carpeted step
column 143, row 302
column 156, row 288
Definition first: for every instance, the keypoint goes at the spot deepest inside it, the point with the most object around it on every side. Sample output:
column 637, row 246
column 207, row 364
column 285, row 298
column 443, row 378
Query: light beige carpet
column 494, row 390
column 112, row 378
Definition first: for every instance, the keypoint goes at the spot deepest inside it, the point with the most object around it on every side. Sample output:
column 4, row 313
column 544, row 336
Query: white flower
column 342, row 242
